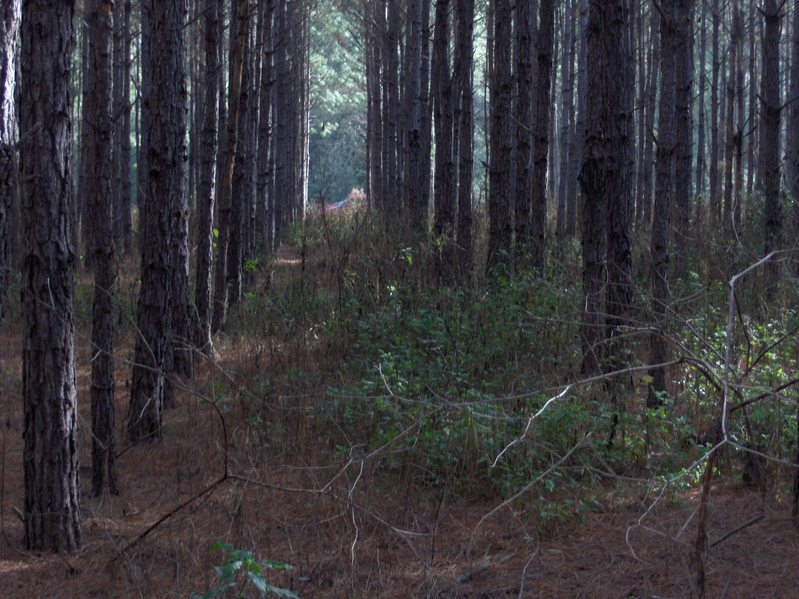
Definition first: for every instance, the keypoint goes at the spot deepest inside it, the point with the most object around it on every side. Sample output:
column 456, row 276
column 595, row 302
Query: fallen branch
column 736, row 530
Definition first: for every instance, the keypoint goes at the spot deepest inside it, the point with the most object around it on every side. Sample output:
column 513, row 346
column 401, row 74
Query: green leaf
column 273, row 565
column 258, row 581
column 287, row 594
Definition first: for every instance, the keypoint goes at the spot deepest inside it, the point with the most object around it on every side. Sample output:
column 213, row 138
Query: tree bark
column 683, row 129
column 566, row 116
column 525, row 28
column 752, row 132
column 121, row 212
column 391, row 109
column 464, row 49
column 618, row 178
column 792, row 137
column 163, row 140
column 729, row 125
column 645, row 199
column 544, row 78
column 738, row 137
column 10, row 17
column 671, row 15
column 700, row 122
column 446, row 174
column 714, row 203
column 264, row 232
column 500, row 138
column 50, row 457
column 605, row 179
column 579, row 124
column 100, row 171
column 372, row 48
column 769, row 159
column 414, row 158
column 242, row 179
column 238, row 36
column 206, row 193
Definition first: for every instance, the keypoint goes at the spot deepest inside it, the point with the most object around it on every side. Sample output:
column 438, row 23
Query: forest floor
column 349, row 529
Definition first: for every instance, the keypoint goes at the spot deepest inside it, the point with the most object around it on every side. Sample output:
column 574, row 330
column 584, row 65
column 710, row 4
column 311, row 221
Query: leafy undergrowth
column 379, row 435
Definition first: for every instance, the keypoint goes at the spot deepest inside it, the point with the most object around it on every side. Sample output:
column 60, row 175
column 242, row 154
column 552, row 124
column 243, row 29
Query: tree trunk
column 84, row 242
column 206, row 193
column 729, row 126
column 566, row 116
column 121, row 224
column 372, row 48
column 500, row 138
column 163, row 140
column 464, row 34
column 446, row 175
column 544, row 78
column 525, row 27
column 700, row 123
column 753, row 101
column 263, row 225
column 684, row 133
column 391, row 107
column 664, row 185
column 579, row 124
column 413, row 117
column 238, row 37
column 10, row 16
column 738, row 138
column 618, row 178
column 769, row 159
column 714, row 203
column 242, row 188
column 100, row 169
column 592, row 183
column 50, row 456
column 792, row 137
column 282, row 139
column 426, row 108
column 651, row 108
column 605, row 179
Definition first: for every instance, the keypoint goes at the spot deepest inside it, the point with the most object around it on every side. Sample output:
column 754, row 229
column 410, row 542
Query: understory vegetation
column 472, row 389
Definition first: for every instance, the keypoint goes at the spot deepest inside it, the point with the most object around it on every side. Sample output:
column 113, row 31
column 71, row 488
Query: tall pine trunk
column 500, row 138
column 525, row 28
column 206, row 193
column 412, row 192
column 242, row 181
column 238, row 38
column 50, row 456
column 263, row 226
column 664, row 187
column 792, row 138
column 729, row 125
column 770, row 108
column 700, row 124
column 579, row 123
column 714, row 199
column 10, row 15
column 464, row 34
column 163, row 140
column 684, row 132
column 566, row 116
column 541, row 136
column 446, row 174
column 100, row 170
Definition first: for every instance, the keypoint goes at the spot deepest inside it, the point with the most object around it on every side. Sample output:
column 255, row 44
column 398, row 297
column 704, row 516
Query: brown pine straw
column 410, row 543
